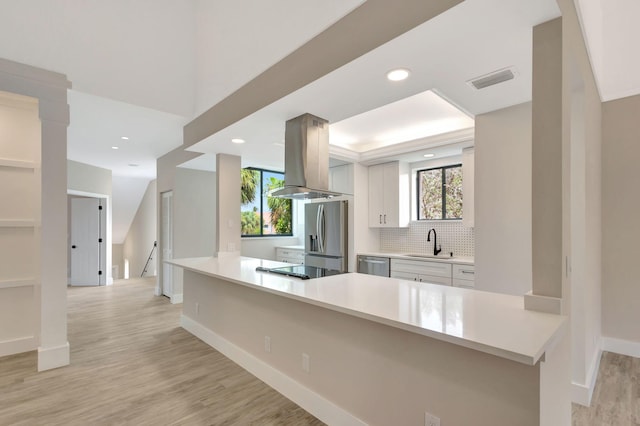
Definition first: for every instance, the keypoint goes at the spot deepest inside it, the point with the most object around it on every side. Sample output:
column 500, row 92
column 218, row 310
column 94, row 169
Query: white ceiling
column 98, row 124
column 143, row 69
column 472, row 39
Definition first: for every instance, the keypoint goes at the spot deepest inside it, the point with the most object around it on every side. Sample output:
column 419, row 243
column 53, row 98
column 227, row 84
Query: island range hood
column 306, row 159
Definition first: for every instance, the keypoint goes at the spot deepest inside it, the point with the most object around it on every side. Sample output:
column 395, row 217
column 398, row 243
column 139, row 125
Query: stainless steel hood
column 306, row 159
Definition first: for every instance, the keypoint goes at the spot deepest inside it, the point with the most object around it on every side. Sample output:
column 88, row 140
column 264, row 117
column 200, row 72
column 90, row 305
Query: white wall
column 91, row 181
column 620, row 234
column 194, row 219
column 503, row 200
column 166, row 177
column 117, row 49
column 142, row 234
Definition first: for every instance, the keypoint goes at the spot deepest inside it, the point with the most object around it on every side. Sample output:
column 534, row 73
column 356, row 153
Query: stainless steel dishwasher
column 373, row 265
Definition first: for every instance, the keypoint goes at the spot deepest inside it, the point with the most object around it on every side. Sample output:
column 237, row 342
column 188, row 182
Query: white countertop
column 441, row 258
column 493, row 323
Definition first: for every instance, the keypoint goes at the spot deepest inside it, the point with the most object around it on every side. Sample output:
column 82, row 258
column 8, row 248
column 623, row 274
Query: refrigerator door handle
column 321, row 228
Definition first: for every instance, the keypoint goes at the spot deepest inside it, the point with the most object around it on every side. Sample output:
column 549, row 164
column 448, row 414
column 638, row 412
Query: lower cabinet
column 463, row 276
column 289, row 255
column 458, row 275
column 421, row 278
column 420, row 270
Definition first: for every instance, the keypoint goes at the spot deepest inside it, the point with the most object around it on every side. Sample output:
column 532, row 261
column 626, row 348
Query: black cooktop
column 301, row 271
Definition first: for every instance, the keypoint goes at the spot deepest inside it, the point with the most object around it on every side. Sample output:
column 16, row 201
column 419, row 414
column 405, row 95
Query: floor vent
column 492, row 78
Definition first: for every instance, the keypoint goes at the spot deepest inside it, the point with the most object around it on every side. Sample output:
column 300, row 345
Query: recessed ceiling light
column 429, row 155
column 237, row 140
column 398, row 74
column 115, row 147
column 124, row 138
column 133, row 165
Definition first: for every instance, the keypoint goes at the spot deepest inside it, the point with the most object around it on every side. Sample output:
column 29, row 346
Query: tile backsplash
column 452, row 236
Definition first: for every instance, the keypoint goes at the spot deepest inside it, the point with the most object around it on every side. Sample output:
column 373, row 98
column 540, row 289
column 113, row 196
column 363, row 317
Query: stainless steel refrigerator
column 326, row 235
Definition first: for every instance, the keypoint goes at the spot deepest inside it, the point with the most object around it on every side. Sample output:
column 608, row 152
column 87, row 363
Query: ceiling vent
column 492, row 78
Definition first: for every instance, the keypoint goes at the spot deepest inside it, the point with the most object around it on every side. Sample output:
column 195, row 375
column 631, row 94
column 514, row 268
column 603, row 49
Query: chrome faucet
column 436, row 249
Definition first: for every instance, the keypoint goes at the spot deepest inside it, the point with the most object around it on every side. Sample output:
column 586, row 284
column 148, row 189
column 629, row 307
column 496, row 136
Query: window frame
column 260, row 194
column 443, row 192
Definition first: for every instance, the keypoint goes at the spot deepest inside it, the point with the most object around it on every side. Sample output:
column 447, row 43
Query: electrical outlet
column 197, row 309
column 267, row 344
column 431, row 420
column 305, row 362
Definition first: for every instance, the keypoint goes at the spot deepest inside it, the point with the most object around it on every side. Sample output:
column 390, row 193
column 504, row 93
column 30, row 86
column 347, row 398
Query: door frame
column 162, row 244
column 108, row 241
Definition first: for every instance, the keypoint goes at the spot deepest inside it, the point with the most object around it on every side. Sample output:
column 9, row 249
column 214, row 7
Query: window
column 262, row 215
column 440, row 193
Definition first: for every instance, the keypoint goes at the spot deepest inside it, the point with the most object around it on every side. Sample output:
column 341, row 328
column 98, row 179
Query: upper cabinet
column 341, row 179
column 467, row 187
column 389, row 188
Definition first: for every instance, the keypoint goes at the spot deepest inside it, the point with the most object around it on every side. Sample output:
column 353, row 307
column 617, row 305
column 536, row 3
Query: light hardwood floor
column 616, row 397
column 132, row 364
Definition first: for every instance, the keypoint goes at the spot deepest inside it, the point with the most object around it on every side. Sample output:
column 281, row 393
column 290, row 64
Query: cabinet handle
column 381, row 219
column 385, row 218
column 415, row 278
column 420, row 280
column 467, row 272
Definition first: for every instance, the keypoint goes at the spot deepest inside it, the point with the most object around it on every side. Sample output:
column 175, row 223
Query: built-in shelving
column 25, row 282
column 18, row 164
column 17, row 223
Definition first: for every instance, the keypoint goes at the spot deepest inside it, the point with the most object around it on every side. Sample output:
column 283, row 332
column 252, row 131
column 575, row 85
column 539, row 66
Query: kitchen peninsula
column 362, row 349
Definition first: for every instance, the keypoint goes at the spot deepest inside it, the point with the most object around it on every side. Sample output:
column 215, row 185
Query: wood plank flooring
column 616, row 397
column 131, row 364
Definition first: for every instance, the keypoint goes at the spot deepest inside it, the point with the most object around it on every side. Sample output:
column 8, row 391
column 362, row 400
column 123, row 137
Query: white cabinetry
column 341, row 179
column 389, row 195
column 463, row 276
column 420, row 270
column 290, row 255
column 468, row 187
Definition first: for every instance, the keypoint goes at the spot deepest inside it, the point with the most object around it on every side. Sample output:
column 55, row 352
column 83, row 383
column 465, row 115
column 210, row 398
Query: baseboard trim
column 582, row 393
column 18, row 346
column 53, row 357
column 176, row 298
column 622, row 347
column 314, row 403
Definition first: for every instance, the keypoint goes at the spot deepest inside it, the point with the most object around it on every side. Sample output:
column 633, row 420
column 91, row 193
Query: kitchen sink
column 428, row 256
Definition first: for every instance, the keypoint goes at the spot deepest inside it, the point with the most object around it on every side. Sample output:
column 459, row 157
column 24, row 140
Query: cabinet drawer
column 463, row 272
column 404, row 275
column 463, row 283
column 436, row 269
column 429, row 279
column 289, row 255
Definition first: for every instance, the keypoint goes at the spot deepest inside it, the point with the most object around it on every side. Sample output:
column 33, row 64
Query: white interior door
column 167, row 243
column 85, row 237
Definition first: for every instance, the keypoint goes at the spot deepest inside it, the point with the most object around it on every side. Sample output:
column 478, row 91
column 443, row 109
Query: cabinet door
column 422, row 267
column 391, row 195
column 376, row 197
